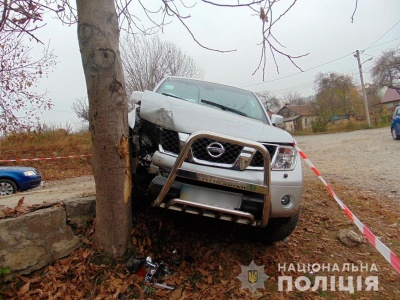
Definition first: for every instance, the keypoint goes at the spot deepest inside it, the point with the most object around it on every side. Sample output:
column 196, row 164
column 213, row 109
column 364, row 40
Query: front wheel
column 276, row 230
column 7, row 187
column 394, row 134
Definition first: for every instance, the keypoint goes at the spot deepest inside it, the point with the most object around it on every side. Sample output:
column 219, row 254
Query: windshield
column 214, row 95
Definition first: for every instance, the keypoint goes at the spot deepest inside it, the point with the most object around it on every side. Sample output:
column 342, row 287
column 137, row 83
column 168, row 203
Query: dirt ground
column 361, row 168
column 53, row 191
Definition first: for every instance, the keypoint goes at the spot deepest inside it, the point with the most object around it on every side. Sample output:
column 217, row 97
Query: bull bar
column 214, row 211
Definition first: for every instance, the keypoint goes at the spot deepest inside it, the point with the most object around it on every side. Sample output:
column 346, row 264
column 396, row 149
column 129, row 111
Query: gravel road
column 364, row 158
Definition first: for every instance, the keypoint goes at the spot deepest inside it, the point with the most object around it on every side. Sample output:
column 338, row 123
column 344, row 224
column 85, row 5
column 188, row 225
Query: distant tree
column 81, row 108
column 386, row 69
column 374, row 94
column 269, row 100
column 294, row 98
column 19, row 74
column 147, row 60
column 336, row 95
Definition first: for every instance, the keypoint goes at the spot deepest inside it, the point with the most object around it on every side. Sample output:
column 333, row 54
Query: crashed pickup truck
column 212, row 150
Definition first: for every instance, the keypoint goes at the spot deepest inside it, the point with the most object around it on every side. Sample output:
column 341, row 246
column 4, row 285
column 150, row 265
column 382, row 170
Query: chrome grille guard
column 217, row 212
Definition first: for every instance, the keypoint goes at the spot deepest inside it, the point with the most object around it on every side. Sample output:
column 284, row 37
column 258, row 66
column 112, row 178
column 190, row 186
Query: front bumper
column 282, row 182
column 246, row 193
column 30, row 182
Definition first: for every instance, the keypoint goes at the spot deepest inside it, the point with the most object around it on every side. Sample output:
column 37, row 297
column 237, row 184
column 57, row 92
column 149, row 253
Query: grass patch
column 51, row 143
column 344, row 126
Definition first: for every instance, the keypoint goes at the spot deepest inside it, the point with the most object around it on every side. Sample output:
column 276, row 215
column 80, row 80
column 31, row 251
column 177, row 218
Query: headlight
column 29, row 173
column 285, row 158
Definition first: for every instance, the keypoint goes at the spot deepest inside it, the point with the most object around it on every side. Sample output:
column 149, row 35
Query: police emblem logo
column 252, row 277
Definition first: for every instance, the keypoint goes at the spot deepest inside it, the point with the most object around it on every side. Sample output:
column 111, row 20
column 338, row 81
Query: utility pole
column 357, row 55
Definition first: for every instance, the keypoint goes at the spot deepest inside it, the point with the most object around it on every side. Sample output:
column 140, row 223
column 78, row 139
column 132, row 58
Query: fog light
column 286, row 200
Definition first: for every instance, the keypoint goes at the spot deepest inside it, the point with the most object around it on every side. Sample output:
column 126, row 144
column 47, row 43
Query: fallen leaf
column 209, row 279
column 24, row 289
column 176, row 294
column 20, row 202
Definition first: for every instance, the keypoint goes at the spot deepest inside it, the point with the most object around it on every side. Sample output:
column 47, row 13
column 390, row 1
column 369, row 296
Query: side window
column 398, row 111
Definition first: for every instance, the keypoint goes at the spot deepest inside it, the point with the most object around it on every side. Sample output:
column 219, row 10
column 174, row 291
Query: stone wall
column 31, row 241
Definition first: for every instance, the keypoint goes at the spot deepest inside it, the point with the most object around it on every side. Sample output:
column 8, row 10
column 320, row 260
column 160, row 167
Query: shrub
column 318, row 126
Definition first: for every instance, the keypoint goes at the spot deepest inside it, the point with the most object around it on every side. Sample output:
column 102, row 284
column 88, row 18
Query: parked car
column 13, row 179
column 395, row 127
column 212, row 150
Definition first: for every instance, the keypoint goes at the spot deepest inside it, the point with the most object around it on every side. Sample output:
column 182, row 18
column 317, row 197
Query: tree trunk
column 98, row 36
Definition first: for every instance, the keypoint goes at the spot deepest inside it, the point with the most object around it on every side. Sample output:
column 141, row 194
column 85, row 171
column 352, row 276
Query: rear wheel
column 394, row 134
column 7, row 187
column 276, row 230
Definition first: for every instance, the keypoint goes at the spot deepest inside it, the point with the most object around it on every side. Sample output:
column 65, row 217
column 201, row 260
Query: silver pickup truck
column 212, row 150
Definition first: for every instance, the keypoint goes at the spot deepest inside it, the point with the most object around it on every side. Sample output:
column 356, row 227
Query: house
column 390, row 100
column 270, row 113
column 297, row 117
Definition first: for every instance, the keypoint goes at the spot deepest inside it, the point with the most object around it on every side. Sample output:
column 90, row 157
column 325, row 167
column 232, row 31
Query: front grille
column 229, row 157
column 170, row 143
column 258, row 160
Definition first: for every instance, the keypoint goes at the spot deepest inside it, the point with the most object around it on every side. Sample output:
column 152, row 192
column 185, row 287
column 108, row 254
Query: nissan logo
column 215, row 150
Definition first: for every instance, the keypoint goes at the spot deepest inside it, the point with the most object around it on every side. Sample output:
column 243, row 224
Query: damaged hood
column 183, row 116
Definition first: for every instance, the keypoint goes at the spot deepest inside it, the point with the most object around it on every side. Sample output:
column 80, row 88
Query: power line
column 297, row 87
column 310, row 69
column 383, row 43
column 353, row 72
column 297, row 73
column 382, row 35
column 323, row 64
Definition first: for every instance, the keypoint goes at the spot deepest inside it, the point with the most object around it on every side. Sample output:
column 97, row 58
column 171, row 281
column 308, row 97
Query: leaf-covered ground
column 209, row 255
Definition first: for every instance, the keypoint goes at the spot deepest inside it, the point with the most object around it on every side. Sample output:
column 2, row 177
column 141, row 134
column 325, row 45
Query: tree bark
column 98, row 36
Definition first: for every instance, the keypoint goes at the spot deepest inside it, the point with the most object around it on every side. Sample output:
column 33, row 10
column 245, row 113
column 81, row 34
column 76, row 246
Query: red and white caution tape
column 382, row 248
column 46, row 158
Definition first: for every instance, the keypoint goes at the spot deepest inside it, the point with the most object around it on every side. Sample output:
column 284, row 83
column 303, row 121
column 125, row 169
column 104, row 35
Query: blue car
column 395, row 127
column 13, row 179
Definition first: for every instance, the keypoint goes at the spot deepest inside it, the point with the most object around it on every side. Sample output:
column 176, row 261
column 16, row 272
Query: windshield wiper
column 223, row 107
column 173, row 96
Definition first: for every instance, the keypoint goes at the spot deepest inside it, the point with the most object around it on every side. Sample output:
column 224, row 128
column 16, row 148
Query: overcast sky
column 322, row 28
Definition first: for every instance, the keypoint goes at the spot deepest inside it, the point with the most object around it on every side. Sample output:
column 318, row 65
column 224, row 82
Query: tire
column 276, row 230
column 7, row 187
column 394, row 134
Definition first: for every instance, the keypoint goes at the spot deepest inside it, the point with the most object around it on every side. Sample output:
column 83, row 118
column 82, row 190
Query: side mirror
column 136, row 97
column 277, row 121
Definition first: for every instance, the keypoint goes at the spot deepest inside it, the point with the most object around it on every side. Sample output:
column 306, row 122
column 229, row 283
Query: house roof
column 391, row 95
column 302, row 110
column 291, row 118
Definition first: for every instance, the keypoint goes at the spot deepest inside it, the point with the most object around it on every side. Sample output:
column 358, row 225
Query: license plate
column 211, row 197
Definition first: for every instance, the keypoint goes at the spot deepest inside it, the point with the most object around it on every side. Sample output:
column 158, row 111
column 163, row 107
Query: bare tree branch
column 268, row 39
column 234, row 5
column 21, row 15
column 147, row 60
column 354, row 12
column 19, row 73
column 386, row 69
column 81, row 108
column 181, row 20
